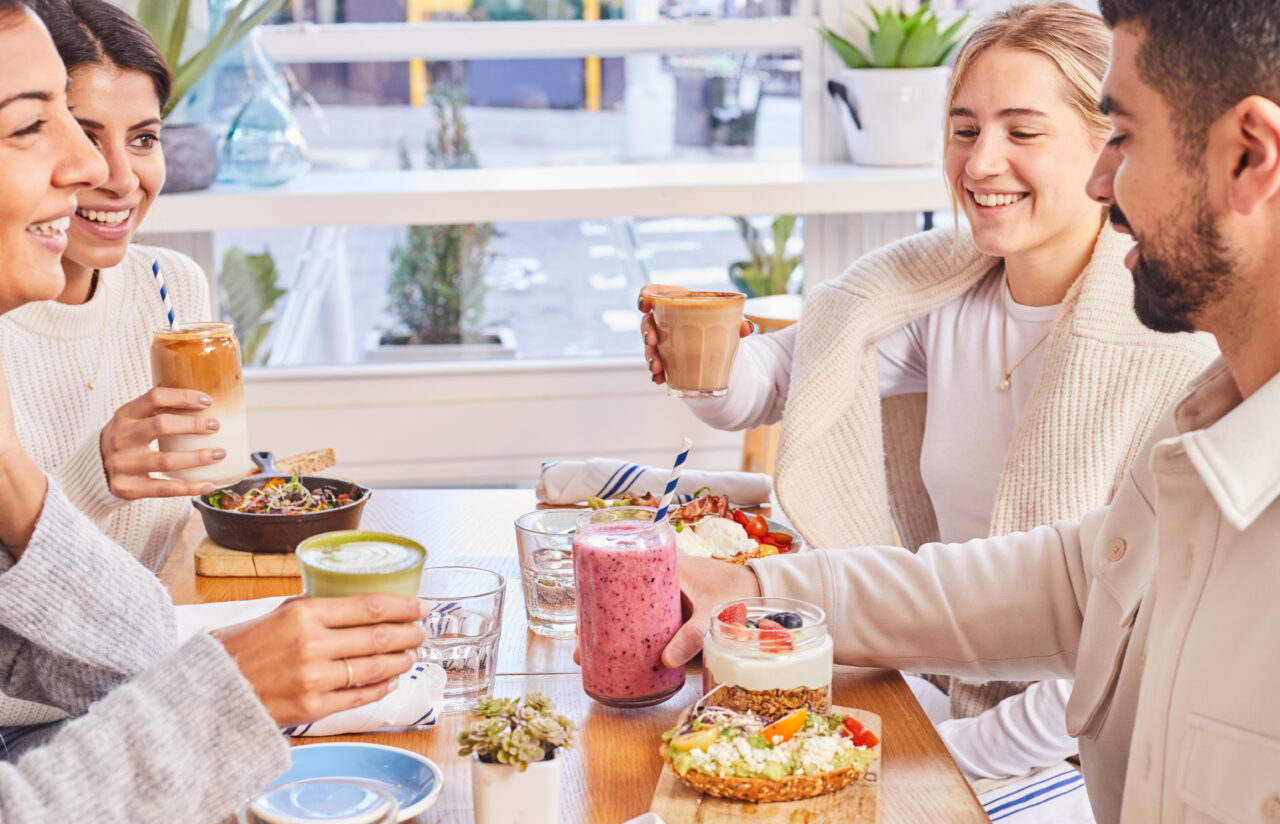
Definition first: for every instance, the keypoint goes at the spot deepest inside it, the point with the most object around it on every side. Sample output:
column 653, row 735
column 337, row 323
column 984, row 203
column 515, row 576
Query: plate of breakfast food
column 724, row 765
column 709, row 527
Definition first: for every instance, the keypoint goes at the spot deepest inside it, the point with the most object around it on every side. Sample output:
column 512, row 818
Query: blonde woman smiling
column 1019, row 331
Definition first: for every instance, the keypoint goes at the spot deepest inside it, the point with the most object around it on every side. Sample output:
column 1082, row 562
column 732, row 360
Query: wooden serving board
column 858, row 803
column 214, row 561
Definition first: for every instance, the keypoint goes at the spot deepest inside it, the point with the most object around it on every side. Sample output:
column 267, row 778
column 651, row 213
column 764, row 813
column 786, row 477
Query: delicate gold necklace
column 99, row 284
column 1005, row 382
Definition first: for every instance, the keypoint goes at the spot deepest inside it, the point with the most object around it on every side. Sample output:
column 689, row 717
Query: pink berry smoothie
column 628, row 607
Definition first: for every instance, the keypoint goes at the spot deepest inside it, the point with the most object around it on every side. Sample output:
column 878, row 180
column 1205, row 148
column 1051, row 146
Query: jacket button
column 1116, row 551
column 1271, row 808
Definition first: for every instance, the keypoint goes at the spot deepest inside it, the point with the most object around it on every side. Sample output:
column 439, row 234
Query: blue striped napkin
column 1054, row 795
column 572, row 482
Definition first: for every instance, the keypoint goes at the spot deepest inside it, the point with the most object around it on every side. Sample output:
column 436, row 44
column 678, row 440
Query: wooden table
column 610, row 776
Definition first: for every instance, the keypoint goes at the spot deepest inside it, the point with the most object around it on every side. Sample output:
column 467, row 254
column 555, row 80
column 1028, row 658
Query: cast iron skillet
column 278, row 533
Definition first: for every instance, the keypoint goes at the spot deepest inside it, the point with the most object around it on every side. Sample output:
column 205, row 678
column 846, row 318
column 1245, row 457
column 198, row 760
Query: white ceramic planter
column 502, row 795
column 899, row 115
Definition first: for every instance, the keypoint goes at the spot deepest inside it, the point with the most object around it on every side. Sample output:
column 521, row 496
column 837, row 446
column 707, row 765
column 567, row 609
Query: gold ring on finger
column 350, row 675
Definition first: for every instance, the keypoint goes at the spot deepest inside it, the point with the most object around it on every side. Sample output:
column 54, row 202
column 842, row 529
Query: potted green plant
column 769, row 270
column 436, row 289
column 191, row 151
column 515, row 764
column 250, row 288
column 892, row 95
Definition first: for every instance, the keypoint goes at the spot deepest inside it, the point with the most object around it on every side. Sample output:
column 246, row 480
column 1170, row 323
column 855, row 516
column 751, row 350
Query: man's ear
column 1252, row 150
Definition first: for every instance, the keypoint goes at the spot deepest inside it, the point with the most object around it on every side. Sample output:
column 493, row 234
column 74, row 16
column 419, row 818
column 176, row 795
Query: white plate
column 797, row 543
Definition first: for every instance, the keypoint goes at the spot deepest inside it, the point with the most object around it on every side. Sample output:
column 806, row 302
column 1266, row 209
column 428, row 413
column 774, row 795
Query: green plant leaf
column 187, row 75
column 249, row 288
column 913, row 21
column 846, row 51
column 751, row 238
column 949, row 39
column 157, row 17
column 748, row 279
column 178, row 35
column 783, row 225
column 921, row 47
column 886, row 44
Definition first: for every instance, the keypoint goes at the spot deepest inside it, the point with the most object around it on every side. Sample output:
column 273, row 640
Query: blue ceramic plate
column 414, row 780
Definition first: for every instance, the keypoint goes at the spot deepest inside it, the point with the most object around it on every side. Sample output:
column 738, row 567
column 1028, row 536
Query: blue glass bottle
column 264, row 145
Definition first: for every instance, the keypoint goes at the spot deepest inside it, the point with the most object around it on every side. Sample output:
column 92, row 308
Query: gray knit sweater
column 179, row 735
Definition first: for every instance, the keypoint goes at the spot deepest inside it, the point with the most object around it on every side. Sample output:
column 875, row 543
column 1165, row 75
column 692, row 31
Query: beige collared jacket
column 1164, row 607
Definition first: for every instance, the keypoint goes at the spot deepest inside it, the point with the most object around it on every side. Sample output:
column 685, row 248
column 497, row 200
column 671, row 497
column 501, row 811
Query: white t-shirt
column 970, row 421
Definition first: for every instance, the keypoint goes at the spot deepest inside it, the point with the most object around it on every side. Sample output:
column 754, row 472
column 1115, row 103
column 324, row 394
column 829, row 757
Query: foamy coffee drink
column 205, row 357
column 697, row 340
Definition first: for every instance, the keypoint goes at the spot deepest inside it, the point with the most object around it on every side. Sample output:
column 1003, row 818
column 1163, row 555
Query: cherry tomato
column 757, row 527
column 858, row 734
column 740, row 518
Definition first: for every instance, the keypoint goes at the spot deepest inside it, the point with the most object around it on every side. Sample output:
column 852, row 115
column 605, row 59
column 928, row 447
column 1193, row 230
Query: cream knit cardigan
column 848, row 462
column 1104, row 382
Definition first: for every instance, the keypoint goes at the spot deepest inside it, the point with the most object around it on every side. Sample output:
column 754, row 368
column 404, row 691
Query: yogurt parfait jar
column 778, row 659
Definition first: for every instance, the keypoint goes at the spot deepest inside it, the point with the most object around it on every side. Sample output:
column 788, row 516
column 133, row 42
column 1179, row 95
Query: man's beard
column 1176, row 279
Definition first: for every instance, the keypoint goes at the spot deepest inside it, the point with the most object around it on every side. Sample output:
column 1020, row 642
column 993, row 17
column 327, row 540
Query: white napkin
column 571, row 482
column 646, row 818
column 415, row 700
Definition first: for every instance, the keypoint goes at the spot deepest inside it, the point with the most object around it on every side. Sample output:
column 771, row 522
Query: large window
column 506, row 174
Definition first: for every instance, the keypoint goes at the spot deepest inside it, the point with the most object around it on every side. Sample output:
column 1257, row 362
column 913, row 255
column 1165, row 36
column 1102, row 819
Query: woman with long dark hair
column 160, row 733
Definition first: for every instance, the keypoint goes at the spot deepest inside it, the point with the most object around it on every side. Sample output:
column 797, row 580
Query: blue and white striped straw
column 164, row 292
column 671, row 482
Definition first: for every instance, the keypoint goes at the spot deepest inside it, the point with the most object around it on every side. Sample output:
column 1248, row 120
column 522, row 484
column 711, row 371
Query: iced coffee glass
column 697, row 340
column 205, row 357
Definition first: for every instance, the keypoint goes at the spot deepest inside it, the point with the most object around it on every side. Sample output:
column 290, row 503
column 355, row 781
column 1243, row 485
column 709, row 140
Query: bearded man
column 1163, row 605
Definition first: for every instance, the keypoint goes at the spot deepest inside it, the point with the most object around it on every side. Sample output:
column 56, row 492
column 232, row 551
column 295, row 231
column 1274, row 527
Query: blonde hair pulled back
column 1076, row 41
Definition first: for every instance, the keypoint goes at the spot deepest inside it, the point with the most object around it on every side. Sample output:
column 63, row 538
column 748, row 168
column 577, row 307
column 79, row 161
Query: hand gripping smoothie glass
column 205, row 357
column 698, row 339
column 628, row 605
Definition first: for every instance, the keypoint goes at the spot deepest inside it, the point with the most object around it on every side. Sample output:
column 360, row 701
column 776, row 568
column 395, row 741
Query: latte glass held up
column 205, row 357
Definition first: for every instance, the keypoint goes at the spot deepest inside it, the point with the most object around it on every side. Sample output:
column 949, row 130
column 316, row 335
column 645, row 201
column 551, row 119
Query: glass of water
column 544, row 539
column 462, row 629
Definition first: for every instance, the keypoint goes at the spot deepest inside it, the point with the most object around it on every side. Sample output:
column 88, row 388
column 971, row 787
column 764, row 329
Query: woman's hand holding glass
column 649, row 329
column 312, row 657
column 129, row 461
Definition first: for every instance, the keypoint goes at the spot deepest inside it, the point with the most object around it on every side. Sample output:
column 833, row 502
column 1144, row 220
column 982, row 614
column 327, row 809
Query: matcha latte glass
column 355, row 562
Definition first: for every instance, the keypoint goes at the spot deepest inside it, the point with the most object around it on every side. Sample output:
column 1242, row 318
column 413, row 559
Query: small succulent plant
column 517, row 732
column 899, row 40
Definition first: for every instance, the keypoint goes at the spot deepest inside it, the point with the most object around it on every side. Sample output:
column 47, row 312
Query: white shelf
column 553, row 193
column 363, row 42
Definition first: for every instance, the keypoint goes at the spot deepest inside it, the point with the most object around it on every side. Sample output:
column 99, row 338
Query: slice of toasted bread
column 760, row 790
column 308, row 463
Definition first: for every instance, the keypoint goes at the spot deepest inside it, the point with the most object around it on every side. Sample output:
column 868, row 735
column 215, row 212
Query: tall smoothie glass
column 205, row 357
column 628, row 605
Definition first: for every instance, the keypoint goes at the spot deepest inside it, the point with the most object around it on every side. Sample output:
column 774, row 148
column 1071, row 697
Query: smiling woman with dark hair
column 78, row 369
column 159, row 733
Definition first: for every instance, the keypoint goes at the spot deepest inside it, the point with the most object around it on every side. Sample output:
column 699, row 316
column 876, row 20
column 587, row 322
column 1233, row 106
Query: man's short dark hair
column 1204, row 57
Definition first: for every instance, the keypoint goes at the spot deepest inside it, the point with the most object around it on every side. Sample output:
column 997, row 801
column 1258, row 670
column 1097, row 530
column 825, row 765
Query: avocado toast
column 747, row 757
